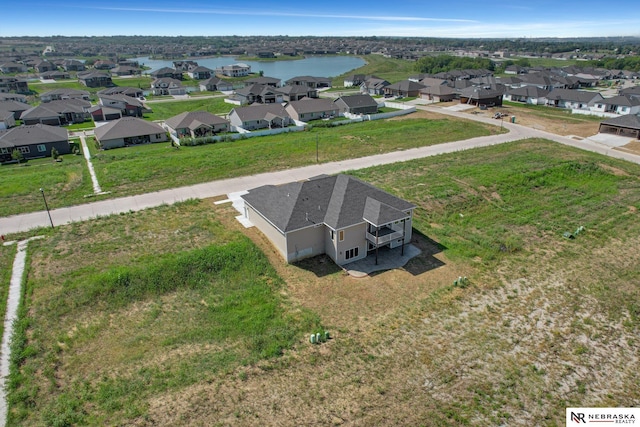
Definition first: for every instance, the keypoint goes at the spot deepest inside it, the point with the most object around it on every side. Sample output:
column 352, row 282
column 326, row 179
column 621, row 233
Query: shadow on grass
column 426, row 261
column 320, row 265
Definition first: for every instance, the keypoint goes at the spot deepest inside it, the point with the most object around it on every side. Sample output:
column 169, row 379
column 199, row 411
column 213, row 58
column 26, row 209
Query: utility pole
column 46, row 206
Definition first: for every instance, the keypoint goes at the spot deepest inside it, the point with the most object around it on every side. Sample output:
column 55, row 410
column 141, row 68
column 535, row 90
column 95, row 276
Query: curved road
column 25, row 222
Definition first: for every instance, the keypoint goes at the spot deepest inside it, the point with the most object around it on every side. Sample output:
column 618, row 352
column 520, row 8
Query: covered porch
column 386, row 226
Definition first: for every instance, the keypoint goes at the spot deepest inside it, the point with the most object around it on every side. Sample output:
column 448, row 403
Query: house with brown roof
column 297, row 92
column 440, row 93
column 167, row 73
column 340, row 216
column 33, row 141
column 129, row 131
column 73, row 65
column 257, row 93
column 196, row 124
column 308, row 109
column 127, row 105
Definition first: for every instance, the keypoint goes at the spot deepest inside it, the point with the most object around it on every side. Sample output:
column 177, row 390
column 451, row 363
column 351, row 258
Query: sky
column 406, row 18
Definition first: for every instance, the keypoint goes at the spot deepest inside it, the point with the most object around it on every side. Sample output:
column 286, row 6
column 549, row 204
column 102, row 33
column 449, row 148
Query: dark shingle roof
column 631, row 121
column 187, row 119
column 355, row 101
column 127, row 127
column 34, row 134
column 337, row 201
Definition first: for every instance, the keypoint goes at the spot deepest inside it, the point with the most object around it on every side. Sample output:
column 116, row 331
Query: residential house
column 486, row 95
column 73, row 65
column 104, row 64
column 404, row 89
column 33, row 141
column 356, row 104
column 13, row 84
column 95, row 79
column 54, row 75
column 527, row 94
column 374, row 86
column 125, row 70
column 57, row 113
column 355, row 80
column 11, row 67
column 257, row 93
column 100, row 113
column 340, row 216
column 263, row 80
column 515, row 69
column 16, row 107
column 215, row 84
column 6, row 96
column 129, row 62
column 129, row 131
column 620, row 104
column 64, row 93
column 127, row 105
column 441, row 93
column 308, row 109
column 7, row 119
column 234, row 70
column 196, row 124
column 573, row 99
column 167, row 86
column 133, row 92
column 309, row 81
column 627, row 125
column 184, row 66
column 42, row 66
column 200, row 73
column 297, row 92
column 260, row 116
column 633, row 92
column 167, row 73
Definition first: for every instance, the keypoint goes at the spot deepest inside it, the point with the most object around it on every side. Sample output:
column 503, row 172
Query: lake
column 317, row 66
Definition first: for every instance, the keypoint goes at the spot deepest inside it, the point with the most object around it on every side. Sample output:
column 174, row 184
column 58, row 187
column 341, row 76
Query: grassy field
column 158, row 331
column 65, row 183
column 145, row 168
column 392, row 70
column 164, row 110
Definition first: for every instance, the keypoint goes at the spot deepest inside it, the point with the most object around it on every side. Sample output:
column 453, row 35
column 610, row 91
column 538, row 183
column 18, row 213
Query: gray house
column 33, row 141
column 196, row 124
column 357, row 104
column 260, row 116
column 308, row 109
column 129, row 131
column 340, row 216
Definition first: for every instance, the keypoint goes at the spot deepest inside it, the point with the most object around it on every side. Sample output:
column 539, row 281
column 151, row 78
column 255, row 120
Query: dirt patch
column 632, row 147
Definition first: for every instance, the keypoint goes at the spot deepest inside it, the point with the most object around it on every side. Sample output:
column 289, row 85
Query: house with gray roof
column 234, row 70
column 64, row 93
column 166, row 72
column 200, row 73
column 308, row 109
column 340, row 216
column 374, row 85
column 482, row 95
column 12, row 97
column 7, row 120
column 573, row 99
column 16, row 107
column 13, row 84
column 627, row 125
column 95, row 79
column 357, row 104
column 621, row 104
column 196, row 124
column 263, row 80
column 127, row 105
column 215, row 84
column 257, row 93
column 33, row 141
column 527, row 94
column 291, row 93
column 129, row 131
column 133, row 92
column 439, row 93
column 57, row 113
column 167, row 86
column 309, row 81
column 260, row 116
column 403, row 89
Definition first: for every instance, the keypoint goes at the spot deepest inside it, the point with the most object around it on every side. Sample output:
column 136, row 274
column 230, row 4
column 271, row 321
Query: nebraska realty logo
column 581, row 416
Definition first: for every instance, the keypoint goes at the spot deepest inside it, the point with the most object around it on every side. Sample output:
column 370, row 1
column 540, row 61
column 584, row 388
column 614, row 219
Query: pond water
column 317, row 66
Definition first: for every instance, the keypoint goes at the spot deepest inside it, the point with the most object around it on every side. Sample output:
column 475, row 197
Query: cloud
column 278, row 13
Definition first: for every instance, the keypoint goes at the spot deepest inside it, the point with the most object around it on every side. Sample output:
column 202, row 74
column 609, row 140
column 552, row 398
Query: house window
column 24, row 150
column 351, row 253
column 41, row 148
column 158, row 135
column 341, row 235
column 6, row 151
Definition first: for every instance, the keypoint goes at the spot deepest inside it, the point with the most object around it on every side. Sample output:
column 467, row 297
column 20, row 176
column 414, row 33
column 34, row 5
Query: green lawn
column 164, row 110
column 213, row 306
column 392, row 70
column 145, row 168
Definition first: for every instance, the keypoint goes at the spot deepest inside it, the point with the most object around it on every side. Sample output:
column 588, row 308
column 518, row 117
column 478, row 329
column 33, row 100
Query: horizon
column 465, row 20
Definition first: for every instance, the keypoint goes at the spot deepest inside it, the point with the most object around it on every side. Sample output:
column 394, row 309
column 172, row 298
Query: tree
column 17, row 155
column 54, row 153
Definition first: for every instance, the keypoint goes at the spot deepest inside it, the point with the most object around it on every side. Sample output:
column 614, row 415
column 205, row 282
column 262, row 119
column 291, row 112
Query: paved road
column 87, row 211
